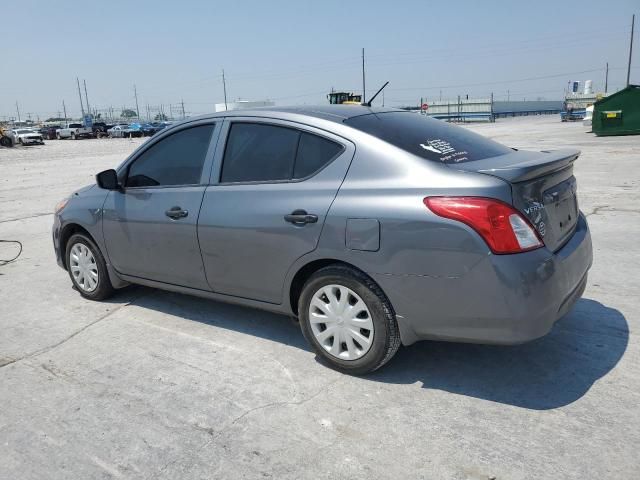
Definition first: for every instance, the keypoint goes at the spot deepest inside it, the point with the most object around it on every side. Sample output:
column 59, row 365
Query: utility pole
column 633, row 21
column 606, row 78
column 148, row 114
column 18, row 110
column 182, row 103
column 224, row 87
column 64, row 108
column 170, row 111
column 80, row 95
column 364, row 93
column 135, row 94
column 508, row 95
column 86, row 97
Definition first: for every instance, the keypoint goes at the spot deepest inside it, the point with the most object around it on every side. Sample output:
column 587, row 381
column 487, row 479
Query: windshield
column 75, row 125
column 24, row 131
column 428, row 138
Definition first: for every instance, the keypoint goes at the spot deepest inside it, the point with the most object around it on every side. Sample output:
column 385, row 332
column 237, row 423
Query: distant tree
column 55, row 119
column 126, row 113
column 161, row 117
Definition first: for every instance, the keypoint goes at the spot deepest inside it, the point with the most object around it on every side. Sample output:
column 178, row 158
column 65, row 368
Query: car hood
column 84, row 189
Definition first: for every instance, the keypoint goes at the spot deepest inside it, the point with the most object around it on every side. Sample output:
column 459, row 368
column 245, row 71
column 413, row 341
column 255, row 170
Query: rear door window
column 257, row 152
column 431, row 139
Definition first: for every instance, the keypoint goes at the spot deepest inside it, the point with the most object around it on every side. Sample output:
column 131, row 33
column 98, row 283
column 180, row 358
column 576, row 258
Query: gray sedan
column 374, row 227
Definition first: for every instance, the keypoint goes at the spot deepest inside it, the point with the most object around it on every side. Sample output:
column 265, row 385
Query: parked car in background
column 373, row 226
column 124, row 130
column 74, row 131
column 49, row 133
column 100, row 129
column 134, row 130
column 118, row 131
column 26, row 136
column 150, row 129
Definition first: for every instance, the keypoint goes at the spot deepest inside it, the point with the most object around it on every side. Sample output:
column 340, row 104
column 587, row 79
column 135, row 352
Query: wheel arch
column 65, row 235
column 307, row 270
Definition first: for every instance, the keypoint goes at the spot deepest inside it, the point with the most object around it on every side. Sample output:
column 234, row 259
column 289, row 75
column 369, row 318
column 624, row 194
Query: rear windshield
column 428, row 138
column 75, row 125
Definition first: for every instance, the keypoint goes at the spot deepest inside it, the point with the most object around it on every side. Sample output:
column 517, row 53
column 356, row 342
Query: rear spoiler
column 521, row 166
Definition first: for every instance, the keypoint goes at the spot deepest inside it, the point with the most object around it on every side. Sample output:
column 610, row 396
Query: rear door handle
column 175, row 213
column 300, row 217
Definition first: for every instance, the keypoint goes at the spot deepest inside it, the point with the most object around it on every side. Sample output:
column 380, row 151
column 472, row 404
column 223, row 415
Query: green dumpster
column 618, row 114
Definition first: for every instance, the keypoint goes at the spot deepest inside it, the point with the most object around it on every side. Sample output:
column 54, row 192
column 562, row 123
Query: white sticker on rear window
column 438, row 146
column 446, row 150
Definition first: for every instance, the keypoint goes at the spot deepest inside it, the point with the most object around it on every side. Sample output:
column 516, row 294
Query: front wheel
column 348, row 320
column 87, row 268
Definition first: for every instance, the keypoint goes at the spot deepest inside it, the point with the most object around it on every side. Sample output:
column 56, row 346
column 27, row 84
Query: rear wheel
column 87, row 268
column 348, row 320
column 73, row 136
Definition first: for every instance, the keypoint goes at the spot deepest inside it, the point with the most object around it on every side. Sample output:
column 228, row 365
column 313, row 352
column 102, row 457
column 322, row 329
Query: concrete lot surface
column 155, row 385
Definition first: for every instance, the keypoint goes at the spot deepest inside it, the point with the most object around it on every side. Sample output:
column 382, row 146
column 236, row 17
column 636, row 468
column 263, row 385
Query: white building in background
column 243, row 105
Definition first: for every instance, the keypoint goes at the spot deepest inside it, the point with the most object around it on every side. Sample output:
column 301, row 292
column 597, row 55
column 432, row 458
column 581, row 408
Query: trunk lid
column 543, row 189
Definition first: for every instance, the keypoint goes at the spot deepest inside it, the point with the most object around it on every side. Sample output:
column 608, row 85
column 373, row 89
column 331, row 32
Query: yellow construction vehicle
column 344, row 98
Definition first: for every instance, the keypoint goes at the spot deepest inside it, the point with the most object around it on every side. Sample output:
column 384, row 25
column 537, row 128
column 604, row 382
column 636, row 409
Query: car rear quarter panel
column 388, row 185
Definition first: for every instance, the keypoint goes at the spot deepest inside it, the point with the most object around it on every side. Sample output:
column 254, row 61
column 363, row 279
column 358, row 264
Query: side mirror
column 108, row 180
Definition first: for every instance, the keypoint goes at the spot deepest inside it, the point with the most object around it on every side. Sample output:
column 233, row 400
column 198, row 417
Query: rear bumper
column 504, row 299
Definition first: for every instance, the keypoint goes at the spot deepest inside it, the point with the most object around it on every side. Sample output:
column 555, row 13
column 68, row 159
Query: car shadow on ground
column 548, row 373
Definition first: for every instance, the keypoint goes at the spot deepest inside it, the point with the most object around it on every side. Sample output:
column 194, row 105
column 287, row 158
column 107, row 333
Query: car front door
column 266, row 208
column 150, row 225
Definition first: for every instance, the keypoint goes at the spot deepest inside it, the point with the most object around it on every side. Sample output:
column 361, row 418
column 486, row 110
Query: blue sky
column 295, row 51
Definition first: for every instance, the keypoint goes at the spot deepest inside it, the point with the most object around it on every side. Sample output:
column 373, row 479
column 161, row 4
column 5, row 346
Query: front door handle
column 175, row 213
column 300, row 217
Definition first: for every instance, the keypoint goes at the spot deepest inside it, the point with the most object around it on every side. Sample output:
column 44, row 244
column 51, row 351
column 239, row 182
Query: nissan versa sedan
column 374, row 227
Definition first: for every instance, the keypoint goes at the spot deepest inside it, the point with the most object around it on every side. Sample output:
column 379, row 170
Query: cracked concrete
column 155, row 385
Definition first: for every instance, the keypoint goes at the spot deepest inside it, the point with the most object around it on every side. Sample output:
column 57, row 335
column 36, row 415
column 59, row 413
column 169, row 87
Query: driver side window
column 175, row 160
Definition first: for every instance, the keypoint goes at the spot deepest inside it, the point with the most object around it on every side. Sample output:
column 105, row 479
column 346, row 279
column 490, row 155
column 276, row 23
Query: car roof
column 334, row 113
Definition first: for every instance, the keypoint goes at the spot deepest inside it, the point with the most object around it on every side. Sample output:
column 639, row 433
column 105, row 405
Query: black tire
column 73, row 136
column 386, row 337
column 6, row 142
column 20, row 141
column 104, row 289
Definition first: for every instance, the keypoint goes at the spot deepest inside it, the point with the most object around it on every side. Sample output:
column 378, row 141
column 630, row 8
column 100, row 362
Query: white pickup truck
column 74, row 131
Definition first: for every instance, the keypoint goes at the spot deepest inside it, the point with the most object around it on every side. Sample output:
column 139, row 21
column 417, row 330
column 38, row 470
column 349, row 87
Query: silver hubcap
column 341, row 322
column 83, row 267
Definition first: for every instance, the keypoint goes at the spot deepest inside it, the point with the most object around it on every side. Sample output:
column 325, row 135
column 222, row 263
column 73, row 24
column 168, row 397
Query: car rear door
column 150, row 226
column 274, row 183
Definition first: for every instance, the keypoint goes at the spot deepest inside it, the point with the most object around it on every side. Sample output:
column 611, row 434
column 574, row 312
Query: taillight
column 500, row 225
